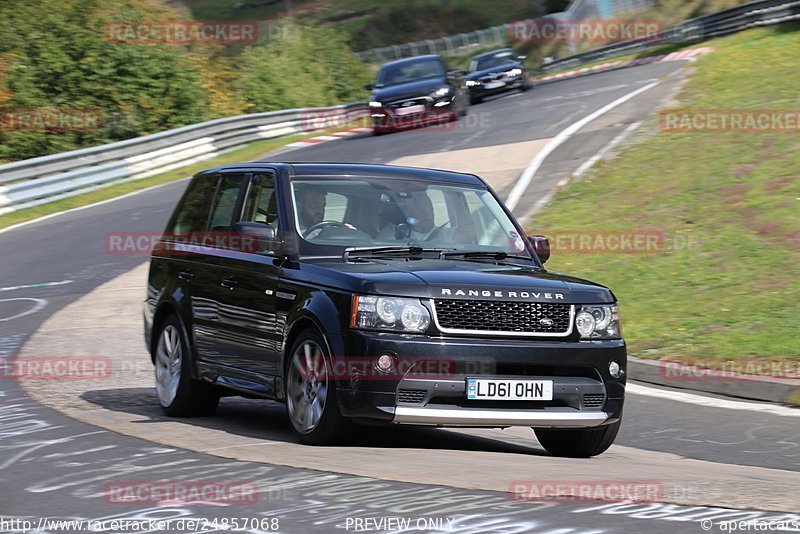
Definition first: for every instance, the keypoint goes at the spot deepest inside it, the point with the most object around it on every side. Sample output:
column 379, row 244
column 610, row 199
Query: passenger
column 419, row 223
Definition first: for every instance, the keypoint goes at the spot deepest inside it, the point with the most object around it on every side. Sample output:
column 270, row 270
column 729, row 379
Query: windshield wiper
column 408, row 251
column 480, row 254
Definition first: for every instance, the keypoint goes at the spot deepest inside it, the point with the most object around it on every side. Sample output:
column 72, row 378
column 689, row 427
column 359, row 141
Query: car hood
column 453, row 279
column 414, row 89
column 494, row 70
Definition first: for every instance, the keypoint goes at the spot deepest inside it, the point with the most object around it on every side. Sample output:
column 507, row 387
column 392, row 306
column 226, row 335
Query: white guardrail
column 36, row 181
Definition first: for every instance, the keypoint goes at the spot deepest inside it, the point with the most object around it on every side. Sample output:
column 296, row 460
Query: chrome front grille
column 543, row 319
column 407, row 102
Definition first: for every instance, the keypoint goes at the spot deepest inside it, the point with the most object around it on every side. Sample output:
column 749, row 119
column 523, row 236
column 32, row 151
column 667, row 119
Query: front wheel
column 178, row 393
column 577, row 443
column 311, row 400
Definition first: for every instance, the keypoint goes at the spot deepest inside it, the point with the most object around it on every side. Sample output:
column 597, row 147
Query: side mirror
column 522, row 57
column 541, row 245
column 256, row 237
column 369, row 86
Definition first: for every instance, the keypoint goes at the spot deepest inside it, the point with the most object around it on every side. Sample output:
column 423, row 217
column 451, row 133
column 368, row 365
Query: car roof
column 411, row 59
column 493, row 52
column 358, row 169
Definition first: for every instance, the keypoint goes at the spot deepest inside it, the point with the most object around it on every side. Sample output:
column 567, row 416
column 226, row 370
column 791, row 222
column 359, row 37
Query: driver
column 311, row 207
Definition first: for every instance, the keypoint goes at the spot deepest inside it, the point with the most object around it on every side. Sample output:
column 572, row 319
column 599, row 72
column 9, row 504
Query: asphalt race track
column 57, row 467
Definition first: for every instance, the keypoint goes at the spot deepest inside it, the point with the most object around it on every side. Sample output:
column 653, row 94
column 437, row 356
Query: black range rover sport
column 377, row 295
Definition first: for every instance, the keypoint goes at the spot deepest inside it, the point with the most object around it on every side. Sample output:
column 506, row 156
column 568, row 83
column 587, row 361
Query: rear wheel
column 178, row 393
column 311, row 400
column 577, row 443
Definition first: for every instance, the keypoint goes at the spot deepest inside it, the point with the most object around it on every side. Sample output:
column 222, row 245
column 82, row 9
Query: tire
column 476, row 100
column 178, row 393
column 311, row 401
column 577, row 443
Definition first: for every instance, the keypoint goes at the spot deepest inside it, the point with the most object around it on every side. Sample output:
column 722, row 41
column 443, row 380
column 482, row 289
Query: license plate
column 493, row 85
column 410, row 109
column 500, row 389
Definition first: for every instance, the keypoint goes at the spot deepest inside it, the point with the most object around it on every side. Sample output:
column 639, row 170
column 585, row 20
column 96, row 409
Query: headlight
column 598, row 322
column 389, row 313
column 472, row 83
column 375, row 104
column 514, row 72
column 444, row 91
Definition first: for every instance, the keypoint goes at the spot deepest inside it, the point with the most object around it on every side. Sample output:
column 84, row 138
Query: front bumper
column 509, row 84
column 432, row 390
column 482, row 418
column 385, row 119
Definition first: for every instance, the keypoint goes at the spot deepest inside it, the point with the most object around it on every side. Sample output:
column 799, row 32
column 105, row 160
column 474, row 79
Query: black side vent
column 411, row 396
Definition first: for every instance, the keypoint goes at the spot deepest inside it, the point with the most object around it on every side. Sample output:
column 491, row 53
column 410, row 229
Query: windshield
column 495, row 60
column 334, row 214
column 394, row 74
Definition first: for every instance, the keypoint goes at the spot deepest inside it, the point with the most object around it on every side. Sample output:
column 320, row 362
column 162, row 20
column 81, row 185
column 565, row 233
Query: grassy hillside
column 735, row 197
column 375, row 23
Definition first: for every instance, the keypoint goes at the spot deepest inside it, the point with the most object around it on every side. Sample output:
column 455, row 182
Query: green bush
column 306, row 67
column 56, row 56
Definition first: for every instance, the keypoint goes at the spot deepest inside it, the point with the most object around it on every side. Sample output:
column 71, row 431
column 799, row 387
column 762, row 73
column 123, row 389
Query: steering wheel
column 325, row 224
column 436, row 232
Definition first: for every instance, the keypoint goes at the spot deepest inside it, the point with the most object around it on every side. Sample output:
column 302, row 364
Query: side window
column 335, row 207
column 261, row 204
column 490, row 231
column 192, row 212
column 440, row 215
column 225, row 202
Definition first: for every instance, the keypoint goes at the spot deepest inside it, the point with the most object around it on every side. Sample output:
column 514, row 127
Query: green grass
column 735, row 293
column 248, row 152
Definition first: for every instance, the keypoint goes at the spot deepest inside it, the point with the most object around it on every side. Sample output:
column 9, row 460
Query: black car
column 496, row 72
column 380, row 295
column 416, row 91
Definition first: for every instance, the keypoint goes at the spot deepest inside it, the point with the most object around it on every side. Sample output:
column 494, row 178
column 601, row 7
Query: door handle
column 186, row 275
column 230, row 283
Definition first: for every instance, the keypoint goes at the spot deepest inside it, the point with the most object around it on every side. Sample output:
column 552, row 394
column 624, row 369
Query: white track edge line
column 527, row 175
column 711, row 402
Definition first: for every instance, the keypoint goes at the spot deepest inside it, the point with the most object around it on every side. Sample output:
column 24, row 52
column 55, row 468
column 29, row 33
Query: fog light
column 385, row 363
column 614, row 369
